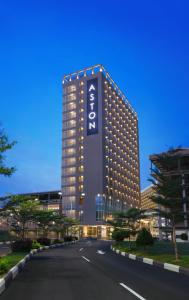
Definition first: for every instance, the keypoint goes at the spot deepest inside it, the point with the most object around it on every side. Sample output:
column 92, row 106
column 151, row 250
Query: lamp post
column 184, row 204
column 60, row 204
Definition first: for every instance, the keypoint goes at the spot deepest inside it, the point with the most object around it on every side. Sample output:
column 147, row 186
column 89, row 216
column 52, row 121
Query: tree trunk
column 23, row 231
column 129, row 242
column 175, row 243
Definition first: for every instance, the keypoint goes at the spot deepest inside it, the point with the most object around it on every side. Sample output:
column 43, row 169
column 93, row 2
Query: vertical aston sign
column 92, row 106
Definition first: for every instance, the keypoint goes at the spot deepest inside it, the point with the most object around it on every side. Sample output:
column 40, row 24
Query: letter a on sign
column 91, row 88
column 92, row 106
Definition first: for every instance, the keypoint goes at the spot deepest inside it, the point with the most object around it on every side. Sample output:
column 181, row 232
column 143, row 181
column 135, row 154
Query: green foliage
column 119, row 235
column 7, row 262
column 44, row 241
column 128, row 222
column 168, row 192
column 21, row 209
column 184, row 236
column 68, row 226
column 144, row 238
column 68, row 238
column 57, row 241
column 167, row 188
column 4, row 146
column 35, row 245
column 3, row 267
column 160, row 251
column 22, row 245
column 46, row 220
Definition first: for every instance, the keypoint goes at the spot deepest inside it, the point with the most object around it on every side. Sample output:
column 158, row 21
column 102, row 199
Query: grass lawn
column 160, row 251
column 9, row 261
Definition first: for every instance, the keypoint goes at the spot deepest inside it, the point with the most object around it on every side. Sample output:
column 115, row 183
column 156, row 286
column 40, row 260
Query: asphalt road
column 78, row 272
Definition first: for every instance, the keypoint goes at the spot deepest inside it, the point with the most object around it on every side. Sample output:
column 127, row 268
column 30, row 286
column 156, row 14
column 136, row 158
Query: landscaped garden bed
column 159, row 251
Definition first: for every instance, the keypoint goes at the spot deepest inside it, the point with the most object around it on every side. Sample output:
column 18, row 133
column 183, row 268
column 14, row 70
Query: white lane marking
column 131, row 291
column 80, row 249
column 100, row 252
column 88, row 260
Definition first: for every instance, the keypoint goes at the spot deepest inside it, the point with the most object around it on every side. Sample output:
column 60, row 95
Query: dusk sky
column 144, row 45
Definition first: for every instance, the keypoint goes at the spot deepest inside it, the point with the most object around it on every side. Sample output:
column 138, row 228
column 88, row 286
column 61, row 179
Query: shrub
column 68, row 238
column 184, row 236
column 36, row 245
column 22, row 245
column 144, row 238
column 57, row 241
column 44, row 241
column 119, row 235
column 3, row 267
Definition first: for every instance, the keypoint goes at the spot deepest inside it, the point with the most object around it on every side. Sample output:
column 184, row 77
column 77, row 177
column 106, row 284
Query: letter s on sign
column 92, row 97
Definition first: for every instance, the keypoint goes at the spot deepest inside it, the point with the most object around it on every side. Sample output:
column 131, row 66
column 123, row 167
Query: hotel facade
column 100, row 150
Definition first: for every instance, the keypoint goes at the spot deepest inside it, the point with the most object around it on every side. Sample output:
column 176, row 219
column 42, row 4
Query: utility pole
column 184, row 204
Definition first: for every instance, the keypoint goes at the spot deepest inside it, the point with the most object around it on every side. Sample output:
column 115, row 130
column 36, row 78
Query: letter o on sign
column 92, row 115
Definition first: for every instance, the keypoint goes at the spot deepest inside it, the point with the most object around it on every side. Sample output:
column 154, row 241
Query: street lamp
column 184, row 204
column 60, row 204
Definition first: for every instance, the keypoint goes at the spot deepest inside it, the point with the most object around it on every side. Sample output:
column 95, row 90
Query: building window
column 70, row 88
column 100, row 207
column 69, row 190
column 69, row 124
column 69, row 171
column 69, row 161
column 69, row 202
column 69, row 133
column 69, row 142
column 69, row 151
column 69, row 106
column 69, row 115
column 70, row 97
column 69, row 180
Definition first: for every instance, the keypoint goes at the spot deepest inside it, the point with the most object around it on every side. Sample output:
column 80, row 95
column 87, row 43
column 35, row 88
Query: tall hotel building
column 100, row 150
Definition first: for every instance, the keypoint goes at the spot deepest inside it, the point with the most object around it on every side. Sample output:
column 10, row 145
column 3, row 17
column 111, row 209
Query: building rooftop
column 94, row 70
column 173, row 152
column 147, row 188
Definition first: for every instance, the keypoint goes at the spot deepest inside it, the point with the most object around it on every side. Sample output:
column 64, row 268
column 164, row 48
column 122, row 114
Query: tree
column 168, row 193
column 22, row 210
column 133, row 215
column 144, row 238
column 4, row 146
column 46, row 220
column 128, row 221
column 69, row 225
column 119, row 235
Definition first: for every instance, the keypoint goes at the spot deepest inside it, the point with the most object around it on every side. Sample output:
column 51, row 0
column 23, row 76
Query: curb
column 13, row 272
column 6, row 242
column 149, row 261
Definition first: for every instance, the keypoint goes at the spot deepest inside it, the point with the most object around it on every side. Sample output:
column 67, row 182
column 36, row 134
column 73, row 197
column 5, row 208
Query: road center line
column 80, row 249
column 131, row 291
column 85, row 258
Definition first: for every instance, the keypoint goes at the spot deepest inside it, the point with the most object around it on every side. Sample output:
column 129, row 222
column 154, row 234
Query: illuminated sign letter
column 92, row 106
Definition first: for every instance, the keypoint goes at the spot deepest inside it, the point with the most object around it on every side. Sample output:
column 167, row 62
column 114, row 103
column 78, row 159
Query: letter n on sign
column 92, row 106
